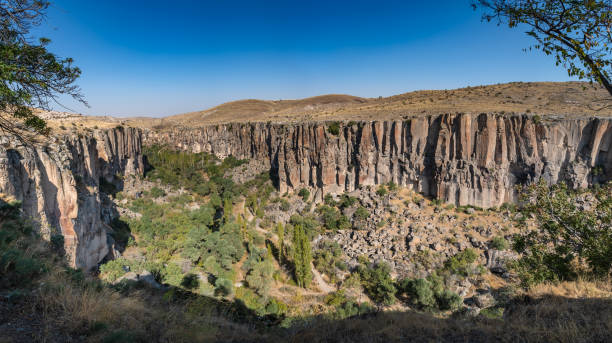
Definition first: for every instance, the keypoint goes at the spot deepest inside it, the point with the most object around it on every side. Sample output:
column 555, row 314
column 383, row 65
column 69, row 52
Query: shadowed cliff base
column 136, row 314
column 547, row 319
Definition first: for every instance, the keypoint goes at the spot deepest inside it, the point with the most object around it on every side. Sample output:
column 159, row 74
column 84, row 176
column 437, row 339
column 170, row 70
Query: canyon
column 464, row 159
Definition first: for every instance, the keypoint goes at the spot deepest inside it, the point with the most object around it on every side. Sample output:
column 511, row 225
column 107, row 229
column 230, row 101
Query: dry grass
column 146, row 316
column 574, row 289
column 141, row 315
column 565, row 99
column 544, row 98
column 547, row 319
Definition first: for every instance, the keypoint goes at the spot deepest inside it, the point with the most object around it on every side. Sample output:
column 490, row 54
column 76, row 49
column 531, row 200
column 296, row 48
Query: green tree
column 574, row 229
column 227, row 211
column 429, row 293
column 419, row 291
column 376, row 281
column 225, row 245
column 32, row 77
column 301, row 257
column 308, row 222
column 259, row 277
column 333, row 219
column 280, row 231
column 575, row 32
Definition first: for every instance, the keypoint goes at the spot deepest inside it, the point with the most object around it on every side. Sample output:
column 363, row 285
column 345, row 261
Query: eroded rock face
column 58, row 184
column 461, row 158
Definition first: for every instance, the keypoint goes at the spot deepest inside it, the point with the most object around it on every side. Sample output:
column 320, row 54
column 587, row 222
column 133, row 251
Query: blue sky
column 158, row 58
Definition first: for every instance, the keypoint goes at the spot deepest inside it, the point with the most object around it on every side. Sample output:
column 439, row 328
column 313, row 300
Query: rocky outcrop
column 58, row 184
column 464, row 159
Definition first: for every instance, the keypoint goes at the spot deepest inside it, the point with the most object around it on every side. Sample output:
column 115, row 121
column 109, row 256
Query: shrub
column 157, row 192
column 347, row 201
column 429, row 293
column 333, row 219
column 381, row 191
column 492, row 312
column 57, row 242
column 171, row 274
column 437, row 202
column 224, row 287
column 460, row 263
column 392, row 186
column 499, row 243
column 344, row 306
column 334, row 128
column 276, row 308
column 328, row 200
column 190, row 281
column 284, row 205
column 114, row 269
column 536, row 118
column 361, row 213
column 448, row 300
column 508, row 207
column 597, row 170
column 304, row 193
column 419, row 291
column 328, row 258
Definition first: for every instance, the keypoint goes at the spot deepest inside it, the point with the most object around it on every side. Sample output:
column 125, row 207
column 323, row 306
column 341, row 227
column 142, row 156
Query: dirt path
column 323, row 286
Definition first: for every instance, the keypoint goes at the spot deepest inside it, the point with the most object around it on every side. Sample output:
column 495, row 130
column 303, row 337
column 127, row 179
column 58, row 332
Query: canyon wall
column 459, row 158
column 58, row 184
column 463, row 159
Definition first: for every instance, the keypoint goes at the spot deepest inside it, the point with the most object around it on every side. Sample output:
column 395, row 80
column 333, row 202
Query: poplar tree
column 280, row 231
column 301, row 257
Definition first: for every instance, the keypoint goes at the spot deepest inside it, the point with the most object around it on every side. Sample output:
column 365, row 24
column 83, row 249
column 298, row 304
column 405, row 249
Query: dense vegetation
column 216, row 261
column 574, row 236
column 197, row 230
column 201, row 173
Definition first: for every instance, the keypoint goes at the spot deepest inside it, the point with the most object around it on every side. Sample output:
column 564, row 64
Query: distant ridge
column 569, row 99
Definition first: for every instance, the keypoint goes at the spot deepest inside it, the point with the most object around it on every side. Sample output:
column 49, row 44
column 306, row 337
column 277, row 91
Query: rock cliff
column 58, row 184
column 459, row 158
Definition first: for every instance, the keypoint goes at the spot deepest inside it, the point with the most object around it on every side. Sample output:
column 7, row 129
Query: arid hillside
column 543, row 98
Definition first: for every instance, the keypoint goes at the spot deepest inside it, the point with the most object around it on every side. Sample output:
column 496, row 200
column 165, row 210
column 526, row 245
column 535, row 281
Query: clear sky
column 158, row 58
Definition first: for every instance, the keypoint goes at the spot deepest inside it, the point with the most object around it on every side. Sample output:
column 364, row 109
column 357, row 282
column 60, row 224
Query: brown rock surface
column 58, row 184
column 460, row 158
